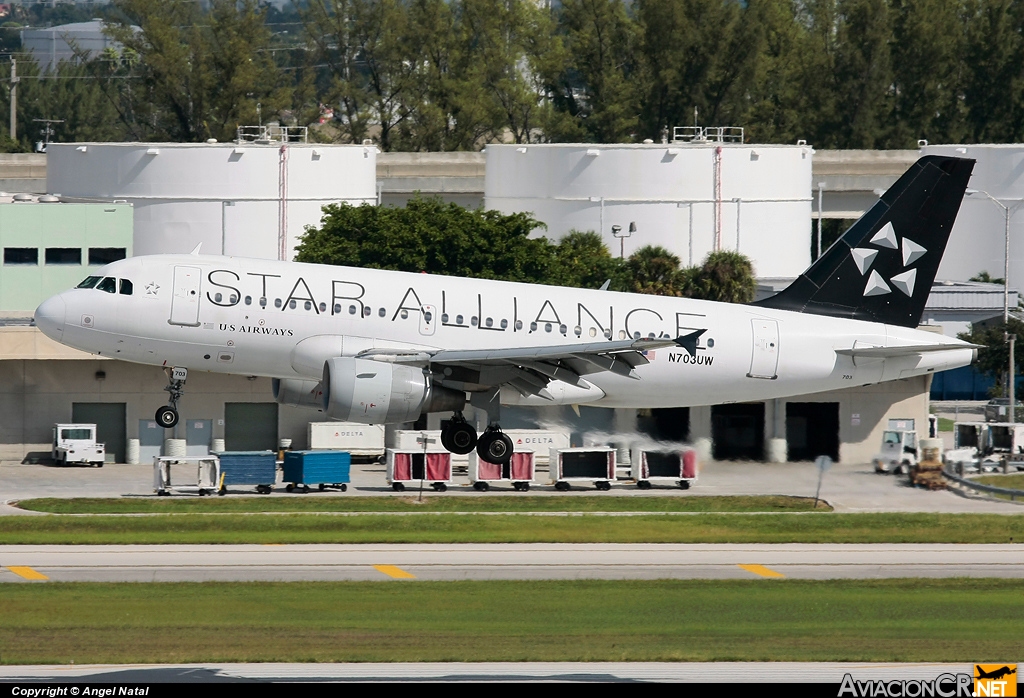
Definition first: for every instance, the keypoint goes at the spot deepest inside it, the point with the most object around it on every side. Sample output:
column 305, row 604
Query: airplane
column 376, row 347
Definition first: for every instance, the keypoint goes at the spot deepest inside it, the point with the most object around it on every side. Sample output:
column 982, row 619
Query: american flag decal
column 649, row 355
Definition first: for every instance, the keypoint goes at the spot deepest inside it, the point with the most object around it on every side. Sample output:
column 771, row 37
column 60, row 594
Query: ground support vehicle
column 927, row 472
column 519, row 472
column 676, row 466
column 76, row 443
column 321, row 468
column 364, row 441
column 407, row 467
column 207, row 478
column 257, row 468
column 899, row 452
column 569, row 465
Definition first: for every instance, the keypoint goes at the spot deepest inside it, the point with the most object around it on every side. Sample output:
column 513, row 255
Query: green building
column 49, row 246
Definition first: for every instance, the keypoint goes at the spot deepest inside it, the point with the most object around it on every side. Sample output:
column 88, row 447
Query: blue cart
column 322, row 468
column 248, row 468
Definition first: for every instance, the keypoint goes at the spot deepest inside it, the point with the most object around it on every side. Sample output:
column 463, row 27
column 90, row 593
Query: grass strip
column 1010, row 482
column 459, row 503
column 455, row 528
column 902, row 620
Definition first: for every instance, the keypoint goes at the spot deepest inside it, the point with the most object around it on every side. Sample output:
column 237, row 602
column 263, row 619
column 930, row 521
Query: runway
column 706, row 672
column 198, row 563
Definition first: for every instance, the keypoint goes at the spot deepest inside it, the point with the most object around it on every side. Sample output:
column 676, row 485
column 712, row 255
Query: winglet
column 689, row 341
column 196, row 250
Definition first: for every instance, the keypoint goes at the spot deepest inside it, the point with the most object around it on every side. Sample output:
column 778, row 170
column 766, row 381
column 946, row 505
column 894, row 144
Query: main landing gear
column 167, row 416
column 458, row 436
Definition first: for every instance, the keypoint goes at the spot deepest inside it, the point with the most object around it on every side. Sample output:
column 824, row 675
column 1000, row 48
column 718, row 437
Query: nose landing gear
column 167, row 416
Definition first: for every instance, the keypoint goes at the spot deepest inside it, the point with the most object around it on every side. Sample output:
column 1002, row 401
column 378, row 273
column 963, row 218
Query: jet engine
column 298, row 393
column 375, row 392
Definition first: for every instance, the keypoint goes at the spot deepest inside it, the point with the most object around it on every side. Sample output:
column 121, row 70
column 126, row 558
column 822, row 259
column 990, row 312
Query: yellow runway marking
column 27, row 573
column 392, row 571
column 762, row 571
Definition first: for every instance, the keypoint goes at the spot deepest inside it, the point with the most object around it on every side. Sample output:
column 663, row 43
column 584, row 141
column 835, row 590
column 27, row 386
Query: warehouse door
column 737, row 431
column 198, row 436
column 812, row 430
column 151, row 439
column 250, row 426
column 185, row 298
column 665, row 424
column 110, row 425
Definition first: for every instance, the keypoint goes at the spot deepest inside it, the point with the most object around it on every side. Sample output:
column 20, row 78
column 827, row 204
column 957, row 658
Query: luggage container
column 207, row 475
column 322, row 468
column 360, row 440
column 257, row 468
column 519, row 471
column 405, row 467
column 540, row 441
column 567, row 465
column 675, row 465
column 407, row 440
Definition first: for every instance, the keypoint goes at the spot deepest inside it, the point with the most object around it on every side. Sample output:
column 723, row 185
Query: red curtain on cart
column 403, row 467
column 690, row 464
column 439, row 467
column 522, row 467
column 488, row 471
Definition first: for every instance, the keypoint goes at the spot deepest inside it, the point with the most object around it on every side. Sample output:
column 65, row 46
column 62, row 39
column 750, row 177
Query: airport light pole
column 1008, row 212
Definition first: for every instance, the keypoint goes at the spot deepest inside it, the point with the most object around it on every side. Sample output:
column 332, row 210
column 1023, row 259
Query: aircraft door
column 185, row 300
column 428, row 320
column 764, row 361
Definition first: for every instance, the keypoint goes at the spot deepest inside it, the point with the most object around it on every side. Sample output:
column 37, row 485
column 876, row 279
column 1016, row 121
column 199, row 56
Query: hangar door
column 737, row 431
column 110, row 426
column 665, row 424
column 812, row 430
column 250, row 426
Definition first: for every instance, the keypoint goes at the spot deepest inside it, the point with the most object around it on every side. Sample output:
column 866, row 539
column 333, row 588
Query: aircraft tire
column 494, row 447
column 166, row 416
column 459, row 438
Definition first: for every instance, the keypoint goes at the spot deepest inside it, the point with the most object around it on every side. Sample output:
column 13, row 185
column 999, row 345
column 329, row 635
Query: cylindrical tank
column 227, row 196
column 690, row 198
column 132, row 455
column 978, row 240
column 174, row 448
column 217, row 446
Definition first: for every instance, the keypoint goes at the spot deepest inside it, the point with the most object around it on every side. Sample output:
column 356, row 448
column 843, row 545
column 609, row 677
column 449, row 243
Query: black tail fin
column 883, row 267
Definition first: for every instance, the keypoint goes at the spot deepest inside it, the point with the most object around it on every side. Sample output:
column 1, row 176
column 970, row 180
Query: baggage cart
column 359, row 440
column 257, row 468
column 667, row 465
column 206, row 469
column 322, row 468
column 568, row 465
column 519, row 471
column 407, row 466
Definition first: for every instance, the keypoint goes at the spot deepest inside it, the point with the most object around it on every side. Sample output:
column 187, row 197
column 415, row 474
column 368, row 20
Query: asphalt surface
column 197, row 563
column 847, row 487
column 705, row 672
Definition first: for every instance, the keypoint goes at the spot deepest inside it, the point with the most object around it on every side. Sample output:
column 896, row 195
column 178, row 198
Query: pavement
column 451, row 562
column 454, row 672
column 847, row 487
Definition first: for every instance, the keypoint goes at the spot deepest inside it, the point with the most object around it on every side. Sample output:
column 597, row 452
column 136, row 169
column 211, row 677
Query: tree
column 863, row 72
column 581, row 259
column 655, row 270
column 202, row 73
column 428, row 235
column 725, row 276
column 994, row 358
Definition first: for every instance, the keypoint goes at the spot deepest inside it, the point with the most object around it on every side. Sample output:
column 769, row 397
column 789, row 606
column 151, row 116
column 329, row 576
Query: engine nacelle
column 298, row 393
column 375, row 392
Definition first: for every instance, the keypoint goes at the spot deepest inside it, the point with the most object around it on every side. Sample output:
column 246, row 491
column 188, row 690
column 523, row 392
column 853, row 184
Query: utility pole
column 14, row 99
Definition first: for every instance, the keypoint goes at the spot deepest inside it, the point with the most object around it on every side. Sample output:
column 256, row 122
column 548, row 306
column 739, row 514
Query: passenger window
column 291, row 304
column 382, row 312
column 307, row 305
column 504, row 324
column 232, row 299
column 277, row 302
column 472, row 321
column 547, row 326
column 90, row 282
column 533, row 327
column 366, row 311
column 126, row 287
column 217, row 298
column 108, row 285
column 263, row 302
column 323, row 307
column 248, row 300
column 458, row 319
column 489, row 322
column 519, row 324
column 405, row 314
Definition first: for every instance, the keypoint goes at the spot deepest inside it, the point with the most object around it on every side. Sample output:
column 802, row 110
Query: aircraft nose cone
column 50, row 317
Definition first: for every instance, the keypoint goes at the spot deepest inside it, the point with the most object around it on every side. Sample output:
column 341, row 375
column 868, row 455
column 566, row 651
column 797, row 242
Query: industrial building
column 251, row 198
column 66, row 42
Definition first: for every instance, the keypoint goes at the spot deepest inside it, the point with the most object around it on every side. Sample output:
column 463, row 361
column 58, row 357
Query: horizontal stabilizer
column 909, row 350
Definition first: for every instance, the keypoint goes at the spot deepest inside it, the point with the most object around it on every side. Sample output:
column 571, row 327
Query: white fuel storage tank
column 234, row 198
column 978, row 240
column 690, row 198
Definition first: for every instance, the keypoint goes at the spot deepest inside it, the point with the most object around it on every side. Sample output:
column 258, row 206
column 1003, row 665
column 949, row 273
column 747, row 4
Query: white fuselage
column 284, row 319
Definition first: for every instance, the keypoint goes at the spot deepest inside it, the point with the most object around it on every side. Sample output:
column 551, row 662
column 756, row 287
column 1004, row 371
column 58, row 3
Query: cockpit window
column 109, row 285
column 90, row 282
column 126, row 287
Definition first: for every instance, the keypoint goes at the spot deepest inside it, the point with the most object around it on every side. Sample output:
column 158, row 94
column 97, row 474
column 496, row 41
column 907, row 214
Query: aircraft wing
column 530, row 369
